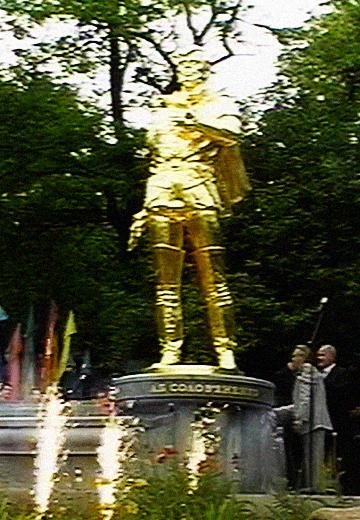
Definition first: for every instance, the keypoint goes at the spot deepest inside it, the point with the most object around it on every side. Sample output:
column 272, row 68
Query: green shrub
column 165, row 495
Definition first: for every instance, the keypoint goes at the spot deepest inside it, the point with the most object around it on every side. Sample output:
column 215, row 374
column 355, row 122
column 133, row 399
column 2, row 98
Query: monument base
column 248, row 451
column 169, row 399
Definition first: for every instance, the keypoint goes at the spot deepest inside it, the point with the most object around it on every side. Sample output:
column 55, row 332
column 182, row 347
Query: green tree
column 69, row 188
column 131, row 37
column 88, row 192
column 295, row 238
column 60, row 239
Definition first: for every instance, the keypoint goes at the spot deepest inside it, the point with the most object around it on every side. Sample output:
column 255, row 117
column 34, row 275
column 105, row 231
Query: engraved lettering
column 201, row 388
column 158, row 388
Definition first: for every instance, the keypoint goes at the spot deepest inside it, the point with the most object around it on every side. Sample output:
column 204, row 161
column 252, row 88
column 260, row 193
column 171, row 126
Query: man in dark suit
column 340, row 400
column 337, row 385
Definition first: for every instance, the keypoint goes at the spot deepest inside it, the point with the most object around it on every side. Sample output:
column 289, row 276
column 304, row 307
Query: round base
column 197, row 382
column 169, row 400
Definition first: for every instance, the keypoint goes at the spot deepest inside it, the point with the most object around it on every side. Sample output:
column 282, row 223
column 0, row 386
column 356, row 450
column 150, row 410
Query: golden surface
column 196, row 174
column 200, row 370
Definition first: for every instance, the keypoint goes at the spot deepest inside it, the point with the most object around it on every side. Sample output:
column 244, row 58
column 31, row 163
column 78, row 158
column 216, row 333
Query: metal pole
column 320, row 312
column 311, row 342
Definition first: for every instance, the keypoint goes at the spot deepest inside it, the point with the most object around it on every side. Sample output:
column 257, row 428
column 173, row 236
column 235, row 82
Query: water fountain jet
column 51, row 439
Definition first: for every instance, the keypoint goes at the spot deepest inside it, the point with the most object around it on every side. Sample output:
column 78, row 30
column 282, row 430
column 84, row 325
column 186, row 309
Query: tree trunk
column 117, row 72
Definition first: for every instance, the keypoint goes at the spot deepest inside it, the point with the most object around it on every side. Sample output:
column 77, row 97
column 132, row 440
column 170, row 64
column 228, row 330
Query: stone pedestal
column 249, row 453
column 166, row 401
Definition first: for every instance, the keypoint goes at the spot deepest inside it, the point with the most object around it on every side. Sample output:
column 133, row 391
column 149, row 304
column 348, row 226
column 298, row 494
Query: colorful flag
column 28, row 372
column 3, row 314
column 49, row 363
column 70, row 329
column 4, row 318
column 14, row 364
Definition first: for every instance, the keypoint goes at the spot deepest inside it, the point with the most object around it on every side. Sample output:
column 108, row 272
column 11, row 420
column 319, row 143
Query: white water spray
column 197, row 455
column 205, row 442
column 112, row 453
column 51, row 440
column 109, row 462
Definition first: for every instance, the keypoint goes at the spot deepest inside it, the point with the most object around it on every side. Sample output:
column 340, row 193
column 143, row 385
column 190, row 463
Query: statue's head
column 192, row 68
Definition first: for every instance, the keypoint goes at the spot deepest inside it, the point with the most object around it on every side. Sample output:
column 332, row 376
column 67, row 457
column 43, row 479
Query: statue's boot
column 226, row 358
column 171, row 353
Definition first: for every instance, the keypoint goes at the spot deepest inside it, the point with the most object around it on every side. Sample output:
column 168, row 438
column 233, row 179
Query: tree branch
column 150, row 79
column 116, row 77
column 214, row 14
column 158, row 48
column 196, row 36
column 229, row 55
column 222, row 58
column 233, row 10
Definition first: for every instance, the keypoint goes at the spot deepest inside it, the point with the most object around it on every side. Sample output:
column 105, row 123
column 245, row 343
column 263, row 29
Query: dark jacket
column 339, row 396
column 284, row 381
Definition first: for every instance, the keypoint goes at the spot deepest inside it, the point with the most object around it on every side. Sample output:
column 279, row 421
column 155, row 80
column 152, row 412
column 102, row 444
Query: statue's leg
column 167, row 238
column 204, row 232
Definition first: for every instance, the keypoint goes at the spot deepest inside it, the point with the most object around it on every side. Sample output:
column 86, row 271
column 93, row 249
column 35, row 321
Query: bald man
column 337, row 386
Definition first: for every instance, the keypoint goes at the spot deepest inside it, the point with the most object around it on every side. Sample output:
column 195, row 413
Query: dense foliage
column 165, row 496
column 299, row 235
column 62, row 235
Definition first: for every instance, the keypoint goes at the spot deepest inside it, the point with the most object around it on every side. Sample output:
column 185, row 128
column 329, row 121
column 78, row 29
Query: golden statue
column 196, row 174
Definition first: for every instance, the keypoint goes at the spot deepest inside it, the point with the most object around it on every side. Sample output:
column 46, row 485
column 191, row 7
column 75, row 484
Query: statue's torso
column 182, row 169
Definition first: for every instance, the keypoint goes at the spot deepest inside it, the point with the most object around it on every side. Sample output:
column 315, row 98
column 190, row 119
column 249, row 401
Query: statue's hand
column 137, row 228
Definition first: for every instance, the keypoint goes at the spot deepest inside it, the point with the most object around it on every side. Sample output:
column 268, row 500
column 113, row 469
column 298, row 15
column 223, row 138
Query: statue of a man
column 196, row 174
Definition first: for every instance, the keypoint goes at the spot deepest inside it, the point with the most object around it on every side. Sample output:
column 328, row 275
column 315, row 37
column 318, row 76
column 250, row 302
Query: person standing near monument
column 337, row 385
column 197, row 173
column 340, row 397
column 284, row 380
column 309, row 419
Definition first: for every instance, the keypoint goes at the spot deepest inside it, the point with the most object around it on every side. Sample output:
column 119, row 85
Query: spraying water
column 197, row 455
column 205, row 442
column 116, row 449
column 108, row 454
column 51, row 439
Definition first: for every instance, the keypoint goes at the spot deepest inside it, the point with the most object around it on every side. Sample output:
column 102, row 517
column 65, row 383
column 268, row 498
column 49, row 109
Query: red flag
column 14, row 364
column 49, row 364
